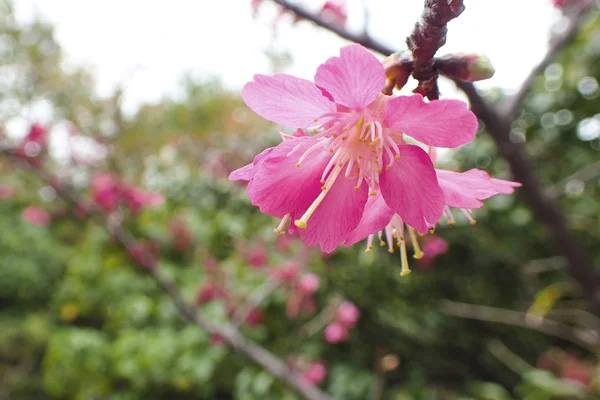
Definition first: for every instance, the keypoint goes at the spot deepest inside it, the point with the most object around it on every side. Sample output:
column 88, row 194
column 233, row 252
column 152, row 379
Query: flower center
column 356, row 141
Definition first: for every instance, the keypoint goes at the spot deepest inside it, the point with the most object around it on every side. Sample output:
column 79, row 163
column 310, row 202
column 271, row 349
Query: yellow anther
column 452, row 222
column 322, row 181
column 391, row 251
column 473, row 222
column 331, row 151
column 356, row 187
column 372, row 193
column 300, row 224
column 397, row 156
column 280, row 230
column 388, row 167
column 315, row 119
column 382, row 243
column 315, row 131
column 345, row 129
column 323, row 188
column 404, row 260
column 335, row 135
column 344, row 137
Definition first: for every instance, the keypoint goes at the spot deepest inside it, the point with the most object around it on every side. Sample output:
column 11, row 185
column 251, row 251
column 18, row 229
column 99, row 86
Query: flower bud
column 347, row 314
column 309, row 283
column 336, row 332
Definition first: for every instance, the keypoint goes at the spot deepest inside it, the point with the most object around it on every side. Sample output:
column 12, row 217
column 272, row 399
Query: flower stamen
column 280, row 230
column 302, row 222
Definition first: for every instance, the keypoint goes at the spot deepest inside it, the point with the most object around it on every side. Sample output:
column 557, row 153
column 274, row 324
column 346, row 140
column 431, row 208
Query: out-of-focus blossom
column 109, row 192
column 217, row 340
column 207, row 293
column 34, row 144
column 255, row 317
column 357, row 149
column 6, row 191
column 347, row 314
column 35, row 216
column 179, row 234
column 106, row 191
column 137, row 199
column 145, row 253
column 309, row 284
column 287, row 273
column 433, row 246
column 335, row 332
column 335, row 11
column 561, row 4
column 315, row 373
column 257, row 257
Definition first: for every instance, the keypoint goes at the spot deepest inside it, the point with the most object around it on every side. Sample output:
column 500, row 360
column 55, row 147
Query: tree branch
column 229, row 333
column 574, row 20
column 579, row 265
column 429, row 34
column 363, row 39
column 584, row 338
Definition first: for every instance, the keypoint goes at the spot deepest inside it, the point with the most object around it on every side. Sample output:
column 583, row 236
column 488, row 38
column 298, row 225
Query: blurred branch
column 229, row 333
column 583, row 338
column 536, row 267
column 363, row 39
column 255, row 299
column 508, row 358
column 429, row 34
column 585, row 174
column 573, row 22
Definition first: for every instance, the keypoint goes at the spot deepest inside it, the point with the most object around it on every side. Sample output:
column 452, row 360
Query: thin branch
column 255, row 299
column 573, row 22
column 363, row 39
column 188, row 312
column 583, row 338
column 429, row 34
column 585, row 174
column 545, row 210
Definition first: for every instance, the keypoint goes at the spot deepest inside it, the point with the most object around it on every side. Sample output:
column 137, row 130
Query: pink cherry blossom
column 35, row 216
column 309, row 283
column 461, row 190
column 322, row 182
column 335, row 11
column 137, row 199
column 347, row 314
column 7, row 191
column 315, row 373
column 335, row 332
column 433, row 246
column 106, row 191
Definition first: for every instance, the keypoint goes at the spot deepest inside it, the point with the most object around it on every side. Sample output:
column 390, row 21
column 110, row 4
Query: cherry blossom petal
column 466, row 189
column 286, row 100
column 440, row 123
column 247, row 172
column 410, row 188
column 336, row 216
column 375, row 218
column 354, row 79
column 279, row 187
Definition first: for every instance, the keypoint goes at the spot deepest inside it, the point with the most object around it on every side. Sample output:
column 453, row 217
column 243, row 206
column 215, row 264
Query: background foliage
column 78, row 320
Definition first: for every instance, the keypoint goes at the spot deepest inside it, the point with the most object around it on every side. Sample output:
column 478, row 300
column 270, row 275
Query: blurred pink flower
column 257, row 257
column 6, row 191
column 347, row 314
column 566, row 3
column 106, row 191
column 335, row 11
column 335, row 332
column 35, row 216
column 255, row 317
column 433, row 246
column 357, row 132
column 315, row 373
column 288, row 272
column 308, row 284
column 207, row 293
column 137, row 199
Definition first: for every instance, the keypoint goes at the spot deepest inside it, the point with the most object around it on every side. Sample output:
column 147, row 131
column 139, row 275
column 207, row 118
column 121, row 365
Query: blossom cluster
column 352, row 167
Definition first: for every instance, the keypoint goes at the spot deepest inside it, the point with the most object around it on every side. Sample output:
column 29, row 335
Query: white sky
column 148, row 44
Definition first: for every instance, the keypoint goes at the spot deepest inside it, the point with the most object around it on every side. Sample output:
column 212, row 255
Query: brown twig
column 363, row 39
column 583, row 338
column 229, row 333
column 429, row 34
column 574, row 20
column 548, row 213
